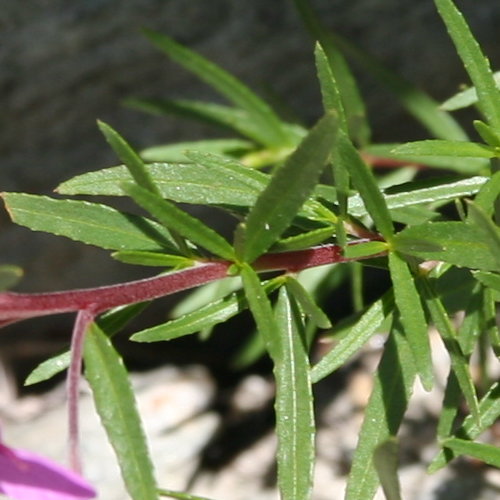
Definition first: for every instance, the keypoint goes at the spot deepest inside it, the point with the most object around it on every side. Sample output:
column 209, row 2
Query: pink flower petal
column 27, row 476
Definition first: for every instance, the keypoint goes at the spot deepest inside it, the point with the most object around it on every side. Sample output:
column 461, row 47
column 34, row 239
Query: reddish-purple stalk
column 90, row 302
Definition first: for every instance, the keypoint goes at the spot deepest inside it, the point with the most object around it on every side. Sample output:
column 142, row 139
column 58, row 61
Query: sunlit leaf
column 115, row 403
column 89, row 223
column 287, row 191
column 294, row 404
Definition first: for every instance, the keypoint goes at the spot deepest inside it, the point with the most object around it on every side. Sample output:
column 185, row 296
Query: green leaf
column 307, row 303
column 383, row 415
column 294, row 404
column 412, row 318
column 461, row 244
column 152, row 259
column 485, row 452
column 176, row 152
column 451, row 404
column 354, row 338
column 459, row 362
column 416, row 193
column 466, row 97
column 489, row 409
column 422, row 107
column 421, row 149
column 179, row 495
column 111, row 322
column 488, row 135
column 261, row 309
column 490, row 232
column 488, row 279
column 129, row 157
column 89, row 223
column 9, row 276
column 304, row 240
column 181, row 222
column 206, row 316
column 115, row 403
column 354, row 107
column 385, row 459
column 332, row 100
column 364, row 181
column 361, row 250
column 288, row 189
column 474, row 61
column 272, row 132
column 465, row 166
column 48, row 368
column 488, row 194
column 198, row 183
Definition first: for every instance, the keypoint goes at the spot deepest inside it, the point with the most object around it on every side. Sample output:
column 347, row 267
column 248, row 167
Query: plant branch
column 18, row 306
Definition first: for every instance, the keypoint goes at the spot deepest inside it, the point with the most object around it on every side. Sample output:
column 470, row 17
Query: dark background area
column 65, row 64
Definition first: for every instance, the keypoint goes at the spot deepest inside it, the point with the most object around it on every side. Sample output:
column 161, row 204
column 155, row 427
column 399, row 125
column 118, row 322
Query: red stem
column 18, row 306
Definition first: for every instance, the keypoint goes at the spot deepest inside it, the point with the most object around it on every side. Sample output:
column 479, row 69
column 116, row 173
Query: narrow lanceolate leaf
column 181, row 222
column 385, row 459
column 422, row 107
column 422, row 194
column 261, row 309
column 272, row 131
column 475, row 63
column 421, row 149
column 457, row 243
column 157, row 259
column 364, row 181
column 353, row 104
column 383, row 415
column 206, row 316
column 129, row 157
column 459, row 362
column 490, row 232
column 294, row 407
column 89, row 223
column 183, row 183
column 487, row 453
column 115, row 403
column 489, row 409
column 488, row 279
column 287, row 190
column 176, row 152
column 308, row 304
column 412, row 318
column 357, row 336
column 466, row 97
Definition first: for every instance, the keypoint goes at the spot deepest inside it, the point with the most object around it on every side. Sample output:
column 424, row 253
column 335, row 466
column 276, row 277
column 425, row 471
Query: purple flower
column 27, row 476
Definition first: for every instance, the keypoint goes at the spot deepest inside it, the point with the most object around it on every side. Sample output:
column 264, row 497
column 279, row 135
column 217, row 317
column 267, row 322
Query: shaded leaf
column 9, row 276
column 385, row 459
column 259, row 113
column 176, row 152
